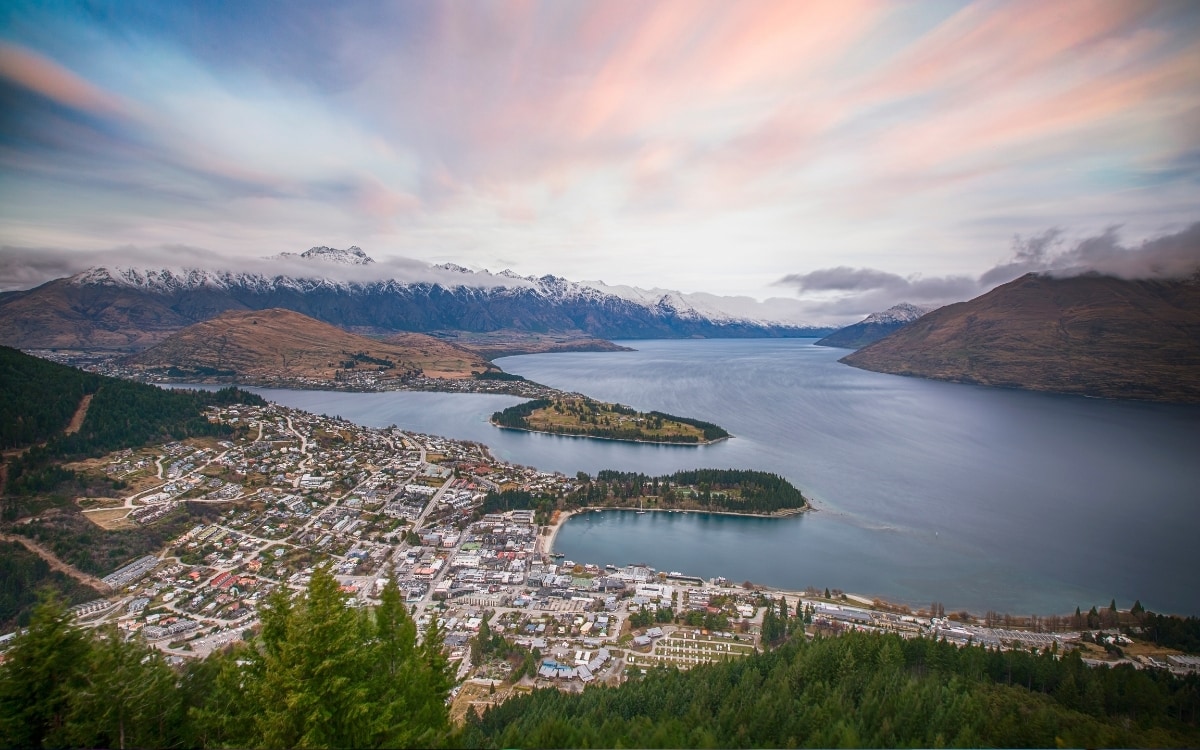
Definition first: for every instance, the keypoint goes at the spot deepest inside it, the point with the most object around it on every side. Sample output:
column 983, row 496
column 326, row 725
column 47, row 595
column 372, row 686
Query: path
column 72, row 427
column 57, row 564
column 80, row 413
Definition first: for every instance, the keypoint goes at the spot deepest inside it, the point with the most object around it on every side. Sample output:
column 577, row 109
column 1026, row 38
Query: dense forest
column 861, row 690
column 320, row 674
column 734, row 490
column 38, row 399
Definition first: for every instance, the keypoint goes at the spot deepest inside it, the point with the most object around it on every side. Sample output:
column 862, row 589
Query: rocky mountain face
column 1089, row 335
column 133, row 308
column 874, row 327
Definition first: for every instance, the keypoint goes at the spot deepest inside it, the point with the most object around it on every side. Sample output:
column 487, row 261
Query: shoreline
column 697, row 444
column 548, row 546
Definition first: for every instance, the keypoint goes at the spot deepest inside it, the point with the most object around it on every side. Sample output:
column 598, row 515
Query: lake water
column 975, row 497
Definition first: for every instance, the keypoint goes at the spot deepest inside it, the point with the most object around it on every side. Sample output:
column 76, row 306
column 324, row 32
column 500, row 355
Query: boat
column 610, row 566
column 640, row 512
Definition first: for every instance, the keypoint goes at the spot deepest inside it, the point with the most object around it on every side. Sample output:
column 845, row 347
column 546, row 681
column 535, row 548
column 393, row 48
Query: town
column 299, row 491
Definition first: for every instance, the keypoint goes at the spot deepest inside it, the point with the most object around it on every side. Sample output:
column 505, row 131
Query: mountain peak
column 455, row 268
column 95, row 276
column 351, row 256
column 904, row 312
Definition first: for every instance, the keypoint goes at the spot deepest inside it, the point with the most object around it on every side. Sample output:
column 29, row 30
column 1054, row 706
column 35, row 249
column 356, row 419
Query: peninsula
column 741, row 492
column 584, row 417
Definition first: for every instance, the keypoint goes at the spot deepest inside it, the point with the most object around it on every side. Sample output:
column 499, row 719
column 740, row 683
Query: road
column 57, row 564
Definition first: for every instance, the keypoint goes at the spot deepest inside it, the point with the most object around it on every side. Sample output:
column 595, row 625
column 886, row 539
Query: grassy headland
column 585, row 417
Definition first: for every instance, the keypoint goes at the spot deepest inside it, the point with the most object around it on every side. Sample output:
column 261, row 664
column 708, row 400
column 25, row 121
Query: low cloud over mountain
column 24, row 267
column 843, row 291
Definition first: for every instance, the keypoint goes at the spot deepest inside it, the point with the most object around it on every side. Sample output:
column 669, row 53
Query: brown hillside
column 63, row 314
column 1089, row 335
column 276, row 343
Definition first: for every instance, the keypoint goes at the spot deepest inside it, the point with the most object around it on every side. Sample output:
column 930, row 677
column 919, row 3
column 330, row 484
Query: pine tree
column 128, row 698
column 43, row 670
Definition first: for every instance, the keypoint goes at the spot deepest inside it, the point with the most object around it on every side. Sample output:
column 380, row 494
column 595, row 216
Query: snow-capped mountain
column 875, row 326
column 351, row 256
column 902, row 313
column 121, row 306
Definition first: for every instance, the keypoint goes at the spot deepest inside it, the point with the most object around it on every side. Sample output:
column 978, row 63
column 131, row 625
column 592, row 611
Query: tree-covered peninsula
column 704, row 490
column 585, row 417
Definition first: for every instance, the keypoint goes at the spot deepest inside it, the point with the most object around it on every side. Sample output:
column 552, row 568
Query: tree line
column 861, row 690
column 320, row 674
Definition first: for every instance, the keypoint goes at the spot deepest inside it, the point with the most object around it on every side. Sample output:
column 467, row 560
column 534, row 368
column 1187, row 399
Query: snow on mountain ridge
column 352, row 256
column 901, row 313
column 345, row 271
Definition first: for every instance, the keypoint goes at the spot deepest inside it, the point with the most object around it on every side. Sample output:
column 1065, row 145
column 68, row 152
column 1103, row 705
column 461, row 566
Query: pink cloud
column 984, row 47
column 49, row 79
column 975, row 128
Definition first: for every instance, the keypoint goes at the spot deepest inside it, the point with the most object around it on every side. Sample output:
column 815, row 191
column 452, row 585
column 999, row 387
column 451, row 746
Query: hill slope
column 283, row 344
column 874, row 327
column 1089, row 335
column 64, row 314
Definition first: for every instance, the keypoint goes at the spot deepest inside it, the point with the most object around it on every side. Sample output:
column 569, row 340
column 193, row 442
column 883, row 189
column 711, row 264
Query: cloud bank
column 844, row 291
column 24, row 268
column 678, row 143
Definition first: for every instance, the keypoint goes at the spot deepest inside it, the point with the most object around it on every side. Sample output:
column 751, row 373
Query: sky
column 844, row 154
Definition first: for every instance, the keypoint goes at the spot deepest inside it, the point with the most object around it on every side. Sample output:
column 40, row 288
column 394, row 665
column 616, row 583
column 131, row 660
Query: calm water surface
column 979, row 498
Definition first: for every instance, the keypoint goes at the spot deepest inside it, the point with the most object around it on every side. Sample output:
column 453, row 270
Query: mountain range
column 131, row 309
column 1090, row 335
column 874, row 327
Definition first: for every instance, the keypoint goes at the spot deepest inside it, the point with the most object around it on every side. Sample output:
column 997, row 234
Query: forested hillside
column 319, row 675
column 37, row 402
column 862, row 690
column 21, row 574
column 38, row 399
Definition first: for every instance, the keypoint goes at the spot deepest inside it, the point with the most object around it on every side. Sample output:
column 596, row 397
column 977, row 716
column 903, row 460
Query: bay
column 979, row 498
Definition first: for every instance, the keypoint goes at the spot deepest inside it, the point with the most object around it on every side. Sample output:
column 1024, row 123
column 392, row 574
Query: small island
column 584, row 417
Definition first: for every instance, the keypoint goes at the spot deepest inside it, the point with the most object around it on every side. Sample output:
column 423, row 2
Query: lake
column 976, row 497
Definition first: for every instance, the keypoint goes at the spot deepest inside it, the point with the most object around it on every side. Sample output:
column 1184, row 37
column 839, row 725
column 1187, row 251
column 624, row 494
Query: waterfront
column 980, row 498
